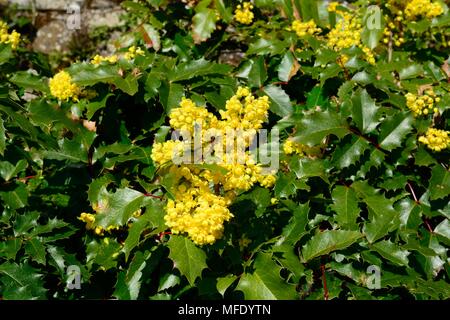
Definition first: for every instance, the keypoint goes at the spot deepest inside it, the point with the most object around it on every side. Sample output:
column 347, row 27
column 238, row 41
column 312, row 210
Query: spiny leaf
column 392, row 252
column 187, row 257
column 346, row 206
column 314, row 128
column 265, row 283
column 328, row 241
column 439, row 183
column 394, row 129
column 364, row 111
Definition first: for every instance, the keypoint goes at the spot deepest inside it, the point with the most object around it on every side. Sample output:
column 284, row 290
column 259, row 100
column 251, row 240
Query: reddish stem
column 412, row 191
column 152, row 196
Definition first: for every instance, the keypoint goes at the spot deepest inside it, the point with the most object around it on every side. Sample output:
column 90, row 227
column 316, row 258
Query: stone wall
column 59, row 21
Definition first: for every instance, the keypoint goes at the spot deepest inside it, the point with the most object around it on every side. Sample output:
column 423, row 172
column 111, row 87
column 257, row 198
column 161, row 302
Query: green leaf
column 364, row 111
column 152, row 218
column 305, row 168
column 8, row 171
column 394, row 129
column 439, row 183
column 313, row 129
column 258, row 73
column 411, row 71
column 201, row 67
column 224, row 283
column 187, row 257
column 280, row 104
column 170, row 95
column 443, row 230
column 103, row 253
column 296, row 228
column 6, row 53
column 288, row 67
column 373, row 23
column 327, row 241
column 265, row 283
column 128, row 285
column 9, row 248
column 204, row 23
column 36, row 250
column 350, row 153
column 346, row 206
column 17, row 198
column 383, row 218
column 115, row 209
column 392, row 252
column 27, row 80
column 21, row 282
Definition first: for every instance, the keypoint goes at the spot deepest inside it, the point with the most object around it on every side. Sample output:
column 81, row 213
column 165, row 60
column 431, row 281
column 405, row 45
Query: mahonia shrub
column 125, row 168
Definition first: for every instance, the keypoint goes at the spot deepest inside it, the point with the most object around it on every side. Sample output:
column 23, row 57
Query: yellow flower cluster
column 332, row 7
column 89, row 219
column 202, row 195
column 391, row 32
column 424, row 104
column 436, row 140
column 305, row 28
column 423, row 8
column 291, row 147
column 62, row 87
column 98, row 59
column 133, row 52
column 346, row 34
column 164, row 152
column 12, row 38
column 243, row 13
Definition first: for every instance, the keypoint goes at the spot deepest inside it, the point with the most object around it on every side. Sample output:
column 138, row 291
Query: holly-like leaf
column 296, row 228
column 346, row 206
column 36, row 250
column 103, row 253
column 383, row 218
column 443, row 230
column 392, row 252
column 265, row 282
column 314, row 128
column 115, row 209
column 280, row 103
column 439, row 183
column 394, row 129
column 128, row 284
column 21, row 282
column 204, row 23
column 329, row 241
column 224, row 283
column 187, row 257
column 364, row 111
column 258, row 73
column 351, row 152
column 288, row 67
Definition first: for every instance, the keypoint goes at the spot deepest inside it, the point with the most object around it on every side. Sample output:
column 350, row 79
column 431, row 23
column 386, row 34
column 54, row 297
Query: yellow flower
column 244, row 14
column 97, row 59
column 201, row 195
column 12, row 38
column 305, row 28
column 132, row 52
column 422, row 105
column 435, row 139
column 332, row 7
column 62, row 87
column 423, row 8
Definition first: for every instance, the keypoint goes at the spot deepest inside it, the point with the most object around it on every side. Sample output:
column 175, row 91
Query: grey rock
column 53, row 37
